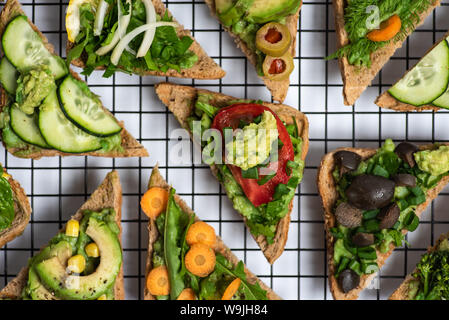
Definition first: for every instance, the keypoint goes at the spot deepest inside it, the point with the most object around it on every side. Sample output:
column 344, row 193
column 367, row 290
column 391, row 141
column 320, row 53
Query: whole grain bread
column 401, row 293
column 131, row 148
column 22, row 211
column 329, row 196
column 180, row 101
column 386, row 100
column 357, row 79
column 278, row 89
column 205, row 68
column 156, row 180
column 107, row 195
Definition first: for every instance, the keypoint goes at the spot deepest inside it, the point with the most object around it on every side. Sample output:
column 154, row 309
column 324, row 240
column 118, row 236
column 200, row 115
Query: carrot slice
column 154, row 201
column 388, row 29
column 187, row 294
column 201, row 232
column 231, row 289
column 200, row 260
column 157, row 281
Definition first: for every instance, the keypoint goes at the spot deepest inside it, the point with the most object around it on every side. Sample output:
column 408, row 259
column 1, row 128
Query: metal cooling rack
column 57, row 186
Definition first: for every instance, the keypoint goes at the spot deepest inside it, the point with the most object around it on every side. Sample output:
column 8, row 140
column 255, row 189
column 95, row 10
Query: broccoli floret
column 433, row 275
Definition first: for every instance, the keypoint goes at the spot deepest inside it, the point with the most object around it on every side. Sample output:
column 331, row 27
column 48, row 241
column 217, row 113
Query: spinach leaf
column 250, row 291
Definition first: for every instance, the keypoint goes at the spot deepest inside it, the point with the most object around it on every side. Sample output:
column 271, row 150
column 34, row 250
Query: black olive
column 347, row 161
column 362, row 239
column 405, row 151
column 404, row 180
column 348, row 280
column 368, row 192
column 388, row 216
column 348, row 216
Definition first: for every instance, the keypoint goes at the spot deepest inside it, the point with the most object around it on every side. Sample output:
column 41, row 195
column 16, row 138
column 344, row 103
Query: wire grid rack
column 58, row 186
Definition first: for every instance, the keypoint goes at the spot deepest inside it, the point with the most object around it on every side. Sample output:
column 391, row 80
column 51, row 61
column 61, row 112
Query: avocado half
column 54, row 276
column 262, row 11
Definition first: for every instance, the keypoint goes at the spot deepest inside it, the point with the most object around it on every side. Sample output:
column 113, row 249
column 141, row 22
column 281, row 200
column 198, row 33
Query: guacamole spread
column 33, row 87
column 7, row 212
column 435, row 162
column 253, row 144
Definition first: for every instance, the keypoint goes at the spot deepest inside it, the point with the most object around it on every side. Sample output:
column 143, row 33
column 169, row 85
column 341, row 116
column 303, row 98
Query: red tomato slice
column 230, row 117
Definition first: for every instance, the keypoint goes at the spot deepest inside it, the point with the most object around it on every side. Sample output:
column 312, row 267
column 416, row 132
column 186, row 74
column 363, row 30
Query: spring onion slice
column 149, row 34
column 118, row 50
column 99, row 17
column 123, row 22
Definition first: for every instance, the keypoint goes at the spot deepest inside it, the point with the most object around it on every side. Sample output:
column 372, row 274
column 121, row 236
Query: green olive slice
column 278, row 68
column 273, row 39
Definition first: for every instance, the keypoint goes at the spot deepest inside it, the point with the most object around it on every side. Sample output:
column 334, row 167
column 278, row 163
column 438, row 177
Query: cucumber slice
column 61, row 133
column 25, row 126
column 443, row 100
column 25, row 49
column 427, row 80
column 84, row 109
column 8, row 76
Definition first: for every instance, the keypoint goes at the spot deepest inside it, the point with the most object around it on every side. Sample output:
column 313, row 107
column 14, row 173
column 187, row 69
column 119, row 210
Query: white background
column 57, row 187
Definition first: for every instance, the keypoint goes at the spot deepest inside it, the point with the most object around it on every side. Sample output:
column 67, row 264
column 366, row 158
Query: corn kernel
column 102, row 297
column 6, row 176
column 73, row 228
column 76, row 264
column 92, row 250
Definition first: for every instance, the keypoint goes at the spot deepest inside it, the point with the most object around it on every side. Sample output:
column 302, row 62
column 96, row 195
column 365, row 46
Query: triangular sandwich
column 105, row 37
column 371, row 199
column 202, row 267
column 369, row 33
column 260, row 187
column 84, row 260
column 266, row 33
column 46, row 109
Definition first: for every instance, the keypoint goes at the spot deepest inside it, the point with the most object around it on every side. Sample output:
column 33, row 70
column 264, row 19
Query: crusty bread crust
column 329, row 196
column 278, row 89
column 180, row 101
column 401, row 293
column 156, row 180
column 131, row 147
column 107, row 195
column 22, row 211
column 386, row 100
column 205, row 68
column 357, row 79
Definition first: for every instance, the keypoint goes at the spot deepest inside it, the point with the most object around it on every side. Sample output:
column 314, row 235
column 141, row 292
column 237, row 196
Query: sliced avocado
column 262, row 11
column 54, row 276
column 235, row 12
column 36, row 290
column 223, row 5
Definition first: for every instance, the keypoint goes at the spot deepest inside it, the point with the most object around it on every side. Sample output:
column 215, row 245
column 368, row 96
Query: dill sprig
column 359, row 49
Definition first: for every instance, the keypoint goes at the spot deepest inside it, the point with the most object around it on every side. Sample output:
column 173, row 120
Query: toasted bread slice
column 386, row 100
column 278, row 89
column 107, row 195
column 401, row 293
column 180, row 101
column 22, row 210
column 205, row 68
column 357, row 79
column 131, row 147
column 156, row 180
column 329, row 196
